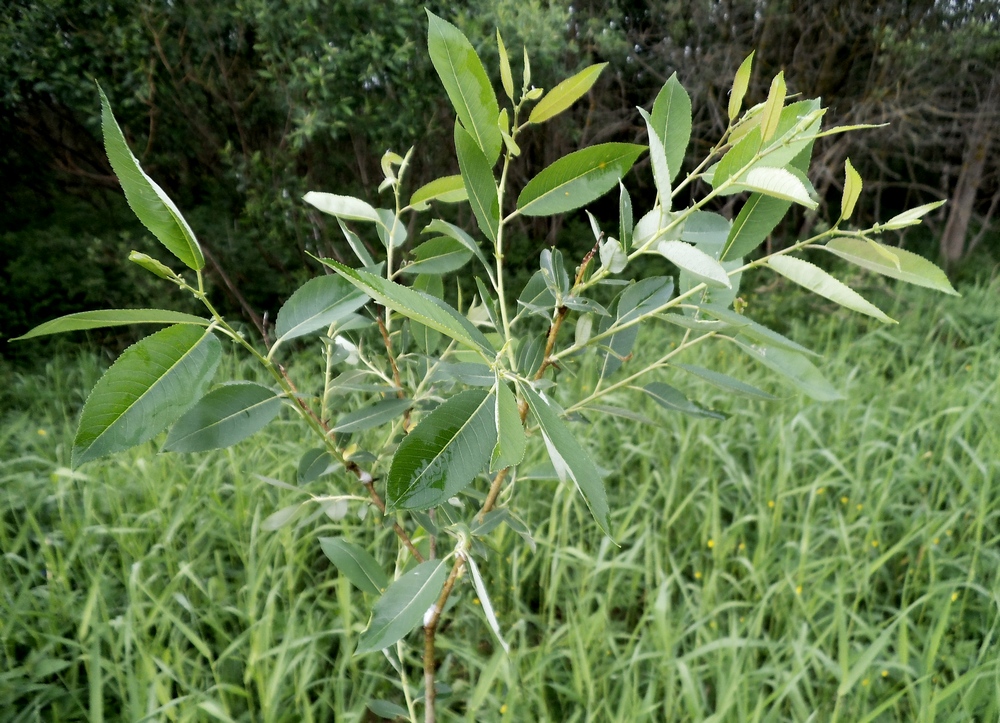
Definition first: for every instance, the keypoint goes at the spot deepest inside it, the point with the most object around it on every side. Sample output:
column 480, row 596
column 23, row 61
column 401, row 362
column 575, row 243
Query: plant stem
column 430, row 630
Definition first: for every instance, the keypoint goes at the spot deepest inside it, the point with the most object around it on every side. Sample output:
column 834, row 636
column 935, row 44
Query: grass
column 799, row 561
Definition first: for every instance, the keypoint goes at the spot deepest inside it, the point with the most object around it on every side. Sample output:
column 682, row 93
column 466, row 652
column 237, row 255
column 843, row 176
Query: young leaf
column 772, row 108
column 506, row 79
column 110, row 317
column 443, row 453
column 356, row 564
column 793, row 367
column 569, row 458
column 439, row 255
column 727, row 383
column 819, row 282
column 613, row 258
column 314, row 464
column 658, row 159
column 315, row 305
column 671, row 119
column 852, row 190
column 379, row 413
column 778, row 183
column 448, row 189
column 565, row 94
column 464, row 79
column 153, row 266
column 223, row 417
column 696, row 262
column 625, row 225
column 669, row 398
column 740, row 84
column 403, row 605
column 484, row 601
column 511, row 443
column 150, row 385
column 758, row 217
column 347, row 208
column 391, row 231
column 148, row 201
column 477, row 174
column 911, row 217
column 577, row 179
column 412, row 304
column 907, row 266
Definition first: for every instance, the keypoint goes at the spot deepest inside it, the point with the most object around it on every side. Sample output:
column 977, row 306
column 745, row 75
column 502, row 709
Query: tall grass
column 799, row 561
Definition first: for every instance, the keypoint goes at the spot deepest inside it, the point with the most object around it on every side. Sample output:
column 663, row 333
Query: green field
column 799, row 561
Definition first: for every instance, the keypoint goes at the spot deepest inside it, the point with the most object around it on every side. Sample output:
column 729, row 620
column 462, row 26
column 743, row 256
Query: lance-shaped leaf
column 464, row 79
column 356, row 245
column 577, row 179
column 403, row 605
column 315, row 305
column 477, row 174
column 852, row 190
column 758, row 332
column 669, row 398
column 224, row 417
column 484, row 601
column 819, row 282
column 569, row 458
column 379, row 413
column 793, row 367
column 415, row 305
column 658, row 159
column 439, row 255
column 565, row 94
column 356, row 564
column 151, row 384
column 727, row 383
column 344, row 207
column 506, row 78
column 740, row 84
column 758, row 217
column 772, row 108
column 696, row 262
column 625, row 225
column 111, row 317
column 449, row 189
column 443, row 453
column 453, row 231
column 511, row 442
column 638, row 299
column 778, row 183
column 707, row 230
column 148, row 201
column 671, row 119
column 911, row 217
column 904, row 265
column 314, row 464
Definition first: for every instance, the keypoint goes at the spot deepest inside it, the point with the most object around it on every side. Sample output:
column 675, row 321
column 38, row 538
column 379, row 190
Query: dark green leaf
column 356, row 564
column 669, row 398
column 449, row 229
column 401, row 608
column 315, row 305
column 111, row 317
column 671, row 119
column 427, row 339
column 511, row 442
column 150, row 385
column 439, row 255
column 477, row 174
column 379, row 413
column 224, row 417
column 758, row 217
column 387, row 709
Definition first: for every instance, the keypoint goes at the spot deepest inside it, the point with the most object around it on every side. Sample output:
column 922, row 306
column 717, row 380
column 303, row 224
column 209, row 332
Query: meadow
column 798, row 561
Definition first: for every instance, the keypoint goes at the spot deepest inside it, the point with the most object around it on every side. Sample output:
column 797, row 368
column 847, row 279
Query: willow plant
column 455, row 393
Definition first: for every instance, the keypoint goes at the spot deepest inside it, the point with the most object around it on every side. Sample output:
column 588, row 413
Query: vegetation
column 798, row 559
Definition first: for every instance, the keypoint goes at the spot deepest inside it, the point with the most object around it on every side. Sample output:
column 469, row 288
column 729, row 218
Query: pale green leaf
column 453, row 231
column 280, row 518
column 669, row 398
column 625, row 225
column 379, row 413
column 415, row 305
column 793, row 367
column 772, row 108
column 484, row 601
column 316, row 305
column 152, row 265
column 148, row 201
column 477, row 174
column 820, row 282
column 448, row 189
column 577, row 179
column 910, row 218
column 671, row 119
column 852, row 190
column 356, row 564
column 907, row 266
column 565, row 94
column 443, row 453
column 778, row 183
column 347, row 208
column 439, row 255
column 706, row 230
column 726, row 382
column 391, row 231
column 427, row 339
column 506, row 78
column 696, row 262
column 740, row 84
column 757, row 332
column 658, row 159
column 356, row 245
column 387, row 709
column 111, row 317
column 464, row 79
column 569, row 458
column 314, row 464
column 509, row 449
column 223, row 417
column 146, row 390
column 403, row 605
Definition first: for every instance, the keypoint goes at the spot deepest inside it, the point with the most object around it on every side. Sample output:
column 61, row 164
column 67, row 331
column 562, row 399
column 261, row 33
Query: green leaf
column 427, row 339
column 565, row 94
column 852, row 190
column 778, row 183
column 356, row 245
column 153, row 266
column 391, row 231
column 740, row 84
column 443, row 453
column 658, row 159
column 148, row 201
column 110, row 317
column 223, row 417
column 625, row 225
column 793, row 367
column 819, row 282
column 477, row 174
column 511, row 441
column 577, row 179
column 727, row 383
column 772, row 108
column 637, row 299
column 908, row 267
column 669, row 398
column 439, row 255
column 415, row 305
column 453, row 231
column 151, row 384
column 314, row 464
column 909, row 218
column 387, row 709
column 315, row 305
column 758, row 217
column 749, row 327
column 696, row 262
column 569, row 458
column 403, row 605
column 347, row 208
column 379, row 413
column 356, row 564
column 671, row 119
column 449, row 189
column 465, row 80
column 484, row 601
column 707, row 230
column 506, row 78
